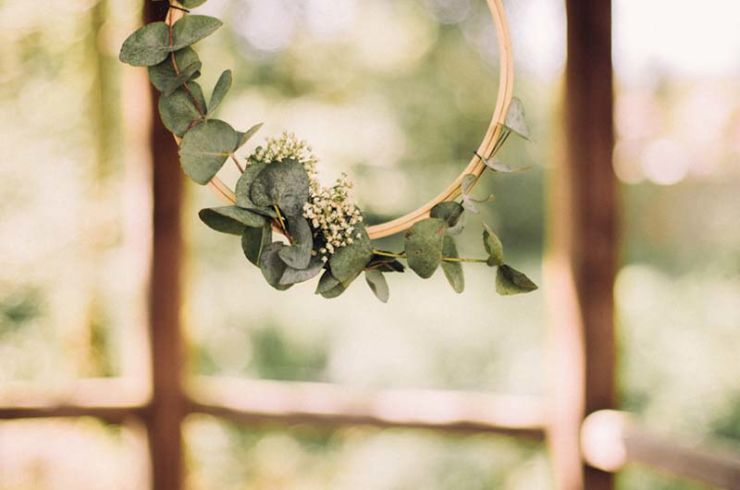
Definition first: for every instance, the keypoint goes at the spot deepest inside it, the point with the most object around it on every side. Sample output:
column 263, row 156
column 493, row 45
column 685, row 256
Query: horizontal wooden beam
column 611, row 440
column 256, row 402
column 113, row 400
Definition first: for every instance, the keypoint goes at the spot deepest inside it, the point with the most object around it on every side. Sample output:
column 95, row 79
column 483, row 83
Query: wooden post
column 584, row 236
column 168, row 405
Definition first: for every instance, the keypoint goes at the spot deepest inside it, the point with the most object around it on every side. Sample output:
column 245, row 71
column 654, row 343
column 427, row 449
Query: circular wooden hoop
column 476, row 165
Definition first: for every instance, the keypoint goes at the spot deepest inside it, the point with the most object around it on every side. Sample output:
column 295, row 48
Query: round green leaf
column 282, row 184
column 449, row 211
column 516, row 120
column 453, row 270
column 378, row 285
column 329, row 286
column 424, row 243
column 182, row 78
column 254, row 241
column 148, row 46
column 182, row 109
column 230, row 219
column 298, row 255
column 244, row 185
column 272, row 267
column 248, row 134
column 191, row 29
column 205, row 148
column 348, row 262
column 191, row 4
column 164, row 73
column 510, row 281
column 295, row 276
column 223, row 85
column 494, row 247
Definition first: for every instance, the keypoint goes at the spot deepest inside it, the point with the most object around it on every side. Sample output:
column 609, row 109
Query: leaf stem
column 236, row 162
column 395, row 255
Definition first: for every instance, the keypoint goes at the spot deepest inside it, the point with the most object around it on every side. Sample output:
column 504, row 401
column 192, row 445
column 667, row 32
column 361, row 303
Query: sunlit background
column 397, row 93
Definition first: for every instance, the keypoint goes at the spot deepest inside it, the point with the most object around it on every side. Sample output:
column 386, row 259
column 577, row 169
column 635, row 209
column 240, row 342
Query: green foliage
column 255, row 240
column 181, row 109
column 282, row 184
column 248, row 134
column 453, row 270
column 378, row 285
column 516, row 120
column 510, row 281
column 191, row 4
column 272, row 266
column 163, row 75
column 329, row 286
column 243, row 189
column 295, row 276
column 182, row 78
column 148, row 46
column 223, row 85
column 191, row 29
column 298, row 255
column 449, row 211
column 424, row 242
column 494, row 247
column 205, row 148
column 274, row 194
column 348, row 262
column 231, row 219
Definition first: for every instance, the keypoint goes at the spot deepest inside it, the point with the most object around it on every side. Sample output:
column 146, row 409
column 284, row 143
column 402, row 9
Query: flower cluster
column 286, row 147
column 330, row 210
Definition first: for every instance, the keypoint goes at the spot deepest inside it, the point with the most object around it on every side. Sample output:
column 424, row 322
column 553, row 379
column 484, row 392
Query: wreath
column 291, row 227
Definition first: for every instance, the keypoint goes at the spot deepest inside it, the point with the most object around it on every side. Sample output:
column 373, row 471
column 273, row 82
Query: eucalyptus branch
column 402, row 255
column 173, row 58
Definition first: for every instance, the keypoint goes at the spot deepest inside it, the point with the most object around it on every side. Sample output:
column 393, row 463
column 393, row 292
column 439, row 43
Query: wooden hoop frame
column 486, row 148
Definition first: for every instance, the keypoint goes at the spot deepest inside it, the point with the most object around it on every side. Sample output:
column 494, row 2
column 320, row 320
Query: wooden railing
column 610, row 440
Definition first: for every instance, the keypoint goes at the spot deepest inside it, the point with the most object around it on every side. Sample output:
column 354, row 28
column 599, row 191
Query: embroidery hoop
column 485, row 149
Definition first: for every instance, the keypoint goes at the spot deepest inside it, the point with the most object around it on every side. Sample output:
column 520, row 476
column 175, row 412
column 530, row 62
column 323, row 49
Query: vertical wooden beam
column 168, row 405
column 584, row 237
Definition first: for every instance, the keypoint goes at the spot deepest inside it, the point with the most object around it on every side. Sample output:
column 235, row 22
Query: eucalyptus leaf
column 191, row 29
column 295, row 276
column 191, row 4
column 248, row 134
column 424, row 243
column 449, row 211
column 230, row 219
column 510, row 281
column 298, row 255
column 147, row 46
column 468, row 183
column 223, row 85
column 161, row 75
column 498, row 166
column 244, row 184
column 205, row 148
column 255, row 240
column 516, row 120
column 378, row 285
column 283, row 184
column 329, row 286
column 182, row 78
column 272, row 266
column 494, row 247
column 182, row 109
column 349, row 261
column 453, row 270
column 385, row 264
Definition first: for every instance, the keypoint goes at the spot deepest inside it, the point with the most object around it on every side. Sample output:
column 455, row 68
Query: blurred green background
column 397, row 93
